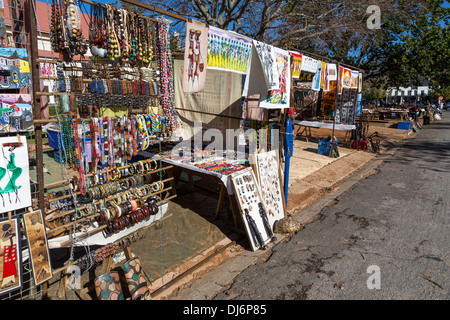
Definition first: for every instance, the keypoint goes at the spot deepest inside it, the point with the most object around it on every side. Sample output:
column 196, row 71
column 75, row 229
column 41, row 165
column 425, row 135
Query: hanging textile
column 267, row 59
column 195, row 56
column 280, row 98
column 341, row 79
column 309, row 64
column 296, row 65
column 354, row 79
column 347, row 78
column 228, row 51
column 326, row 80
column 316, row 83
column 332, row 72
column 360, row 79
column 322, row 74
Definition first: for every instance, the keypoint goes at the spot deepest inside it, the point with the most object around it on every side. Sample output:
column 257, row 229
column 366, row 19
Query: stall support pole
column 335, row 107
column 36, row 105
column 288, row 150
column 34, row 55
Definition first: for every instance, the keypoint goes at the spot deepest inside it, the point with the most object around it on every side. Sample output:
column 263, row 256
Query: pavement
column 383, row 235
column 309, row 193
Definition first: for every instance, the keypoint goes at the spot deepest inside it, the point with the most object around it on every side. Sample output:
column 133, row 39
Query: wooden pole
column 152, row 8
column 36, row 101
column 335, row 106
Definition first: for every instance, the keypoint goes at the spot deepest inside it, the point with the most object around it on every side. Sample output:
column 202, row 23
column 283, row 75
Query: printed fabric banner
column 266, row 54
column 309, row 64
column 360, row 82
column 322, row 75
column 347, row 78
column 228, row 51
column 354, row 80
column 332, row 72
column 280, row 98
column 195, row 54
column 317, row 77
column 296, row 65
column 326, row 80
column 341, row 79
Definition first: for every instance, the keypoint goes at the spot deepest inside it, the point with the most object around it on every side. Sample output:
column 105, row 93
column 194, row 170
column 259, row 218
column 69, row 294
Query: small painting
column 38, row 246
column 10, row 270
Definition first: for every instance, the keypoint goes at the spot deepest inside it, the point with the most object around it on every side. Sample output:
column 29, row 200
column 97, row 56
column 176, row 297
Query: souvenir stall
column 104, row 89
column 230, row 95
column 325, row 95
column 24, row 260
column 103, row 93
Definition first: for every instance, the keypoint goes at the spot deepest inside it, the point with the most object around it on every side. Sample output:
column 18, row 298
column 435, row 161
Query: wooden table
column 223, row 181
column 403, row 113
column 304, row 129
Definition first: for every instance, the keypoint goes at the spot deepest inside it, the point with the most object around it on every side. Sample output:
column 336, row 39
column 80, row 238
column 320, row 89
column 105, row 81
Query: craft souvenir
column 195, row 56
column 10, row 257
column 269, row 182
column 15, row 190
column 252, row 209
column 135, row 279
column 38, row 246
column 108, row 287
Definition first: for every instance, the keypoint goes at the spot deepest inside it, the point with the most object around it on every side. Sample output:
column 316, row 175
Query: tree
column 411, row 45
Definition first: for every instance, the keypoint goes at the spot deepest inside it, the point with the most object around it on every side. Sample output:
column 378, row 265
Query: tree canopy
column 411, row 44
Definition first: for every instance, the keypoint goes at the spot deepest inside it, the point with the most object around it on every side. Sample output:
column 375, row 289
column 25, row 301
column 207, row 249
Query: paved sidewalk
column 308, row 195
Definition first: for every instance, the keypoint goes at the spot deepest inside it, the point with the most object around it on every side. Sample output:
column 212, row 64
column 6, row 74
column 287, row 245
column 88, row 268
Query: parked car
column 447, row 106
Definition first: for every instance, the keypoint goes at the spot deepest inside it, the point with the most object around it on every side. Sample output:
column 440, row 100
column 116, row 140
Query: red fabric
column 9, row 262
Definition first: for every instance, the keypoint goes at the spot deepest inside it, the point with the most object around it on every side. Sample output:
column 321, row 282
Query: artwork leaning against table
column 267, row 165
column 38, row 246
column 10, row 256
column 15, row 191
column 252, row 208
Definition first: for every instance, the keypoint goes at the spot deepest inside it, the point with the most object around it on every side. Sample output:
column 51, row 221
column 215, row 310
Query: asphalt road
column 387, row 237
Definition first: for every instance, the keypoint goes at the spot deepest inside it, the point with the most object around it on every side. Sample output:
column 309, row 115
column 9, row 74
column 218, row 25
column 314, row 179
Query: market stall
column 114, row 104
column 326, row 95
column 126, row 120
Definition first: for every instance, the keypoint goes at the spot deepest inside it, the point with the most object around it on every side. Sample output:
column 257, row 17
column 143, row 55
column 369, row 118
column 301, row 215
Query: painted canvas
column 347, row 78
column 266, row 54
column 14, row 68
column 15, row 192
column 341, row 79
column 10, row 256
column 38, row 246
column 16, row 114
column 316, row 83
column 195, row 56
column 296, row 65
column 309, row 64
column 280, row 98
column 354, row 79
column 228, row 51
